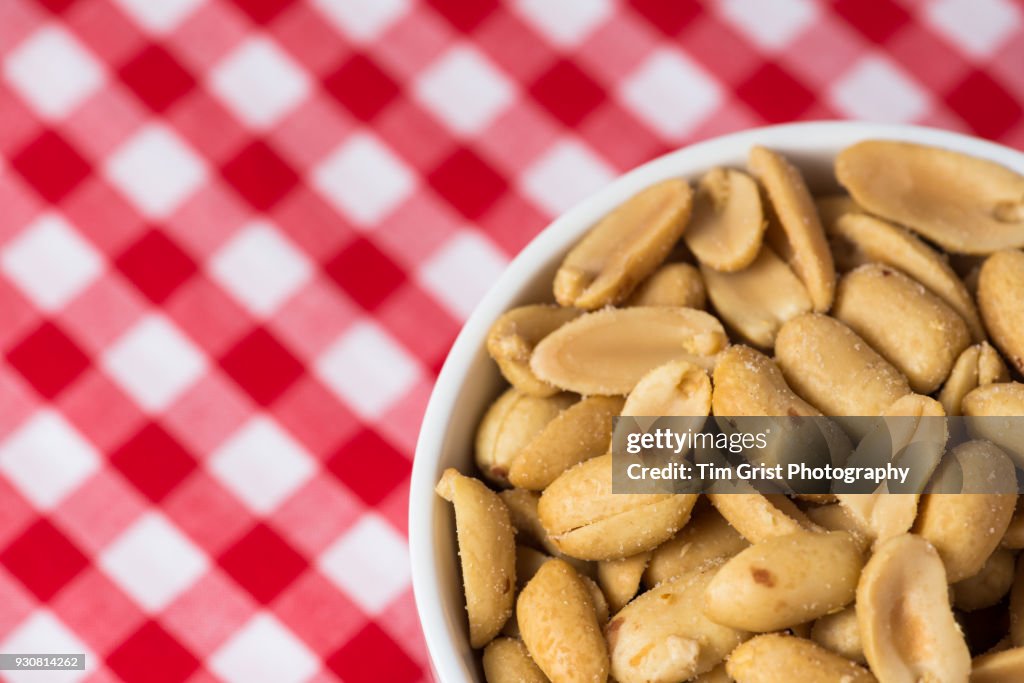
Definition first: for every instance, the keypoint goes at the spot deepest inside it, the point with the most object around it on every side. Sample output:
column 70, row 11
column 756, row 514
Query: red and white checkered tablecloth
column 238, row 238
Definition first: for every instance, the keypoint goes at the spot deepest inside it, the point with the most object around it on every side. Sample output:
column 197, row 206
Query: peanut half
column 840, row 633
column 777, row 658
column 706, row 539
column 906, row 623
column 728, row 222
column 513, row 337
column 488, row 553
column 834, row 369
column 663, row 635
column 580, row 432
column 977, row 366
column 625, row 247
column 747, row 382
column 777, row 583
column 507, row 661
column 607, row 352
column 805, row 246
column 757, row 300
column 676, row 388
column 962, row 203
column 674, row 284
column 1000, row 284
column 560, row 627
column 872, row 240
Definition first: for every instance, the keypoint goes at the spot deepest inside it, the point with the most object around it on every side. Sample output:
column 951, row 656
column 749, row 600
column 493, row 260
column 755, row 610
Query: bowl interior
column 469, row 380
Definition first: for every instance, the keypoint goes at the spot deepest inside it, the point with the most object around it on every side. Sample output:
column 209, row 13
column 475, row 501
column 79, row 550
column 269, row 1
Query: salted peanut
column 873, row 240
column 758, row 517
column 775, row 658
column 756, row 301
column 607, row 352
column 988, row 586
column 673, row 284
column 1017, row 605
column 999, row 667
column 586, row 520
column 716, row 675
column 747, row 382
column 513, row 337
column 977, row 366
column 620, row 579
column 560, row 627
column 580, row 432
column 663, row 635
column 1000, row 284
column 676, row 388
column 967, row 528
column 840, row 633
column 995, row 400
column 508, row 426
column 487, row 552
column 705, row 540
column 908, row 325
column 962, row 203
column 1014, row 536
column 777, row 583
column 522, row 510
column 624, row 247
column 728, row 221
column 507, row 661
column 906, row 622
column 805, row 247
column 834, row 369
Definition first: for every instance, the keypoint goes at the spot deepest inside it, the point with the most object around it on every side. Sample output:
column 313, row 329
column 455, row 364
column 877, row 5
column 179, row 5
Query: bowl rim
column 813, row 137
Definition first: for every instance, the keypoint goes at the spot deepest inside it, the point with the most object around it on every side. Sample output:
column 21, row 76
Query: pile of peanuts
column 903, row 295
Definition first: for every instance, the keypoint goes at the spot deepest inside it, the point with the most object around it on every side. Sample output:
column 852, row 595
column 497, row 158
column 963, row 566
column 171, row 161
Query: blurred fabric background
column 238, row 238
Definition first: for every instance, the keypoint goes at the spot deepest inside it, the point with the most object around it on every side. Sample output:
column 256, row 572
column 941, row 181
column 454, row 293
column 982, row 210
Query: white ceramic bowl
column 469, row 380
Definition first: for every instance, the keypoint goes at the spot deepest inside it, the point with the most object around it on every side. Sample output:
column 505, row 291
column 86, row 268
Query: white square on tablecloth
column 52, row 71
column 263, row 651
column 362, row 20
column 43, row 632
column 464, row 90
column 363, row 179
column 367, row 369
column 370, row 563
column 875, row 89
column 461, row 271
column 46, row 459
column 260, row 267
column 259, row 83
column 153, row 362
column 153, row 562
column 159, row 16
column 771, row 25
column 156, row 170
column 50, row 262
column 261, row 464
column 979, row 27
column 565, row 23
column 671, row 93
column 566, row 173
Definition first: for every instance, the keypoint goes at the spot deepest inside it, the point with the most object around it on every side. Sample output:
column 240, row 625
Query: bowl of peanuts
column 821, row 269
